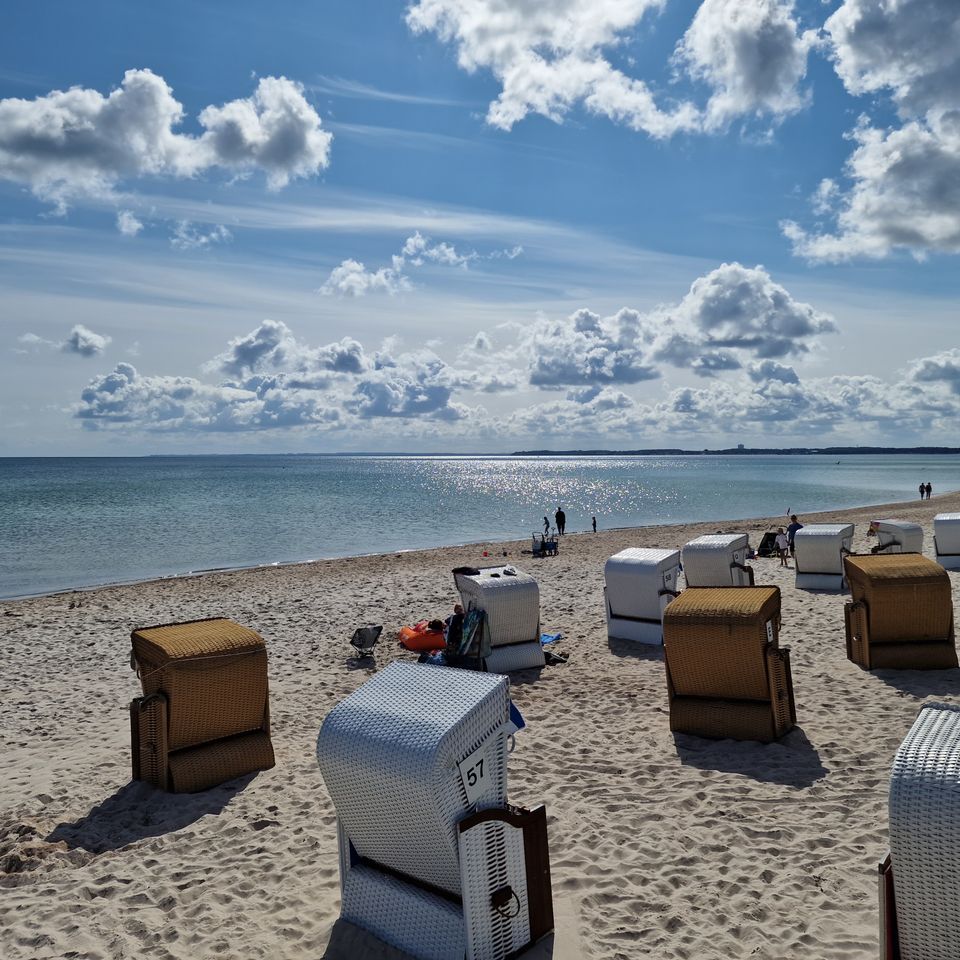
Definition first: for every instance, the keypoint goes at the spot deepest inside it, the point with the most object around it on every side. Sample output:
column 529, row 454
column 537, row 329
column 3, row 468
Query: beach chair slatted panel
column 212, row 678
column 726, row 674
column 901, row 614
column 925, row 836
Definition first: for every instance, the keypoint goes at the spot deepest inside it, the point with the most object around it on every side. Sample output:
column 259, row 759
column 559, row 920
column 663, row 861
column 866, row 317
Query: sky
column 478, row 225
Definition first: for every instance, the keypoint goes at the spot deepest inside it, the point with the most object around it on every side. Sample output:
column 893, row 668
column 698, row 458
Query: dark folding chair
column 364, row 639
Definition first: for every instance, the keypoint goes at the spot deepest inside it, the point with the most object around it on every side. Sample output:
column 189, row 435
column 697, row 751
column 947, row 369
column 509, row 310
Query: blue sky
column 475, row 225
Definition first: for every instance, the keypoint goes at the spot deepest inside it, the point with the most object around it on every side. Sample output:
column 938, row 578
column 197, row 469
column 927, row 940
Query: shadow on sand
column 137, row 811
column 792, row 761
column 921, row 683
column 639, row 651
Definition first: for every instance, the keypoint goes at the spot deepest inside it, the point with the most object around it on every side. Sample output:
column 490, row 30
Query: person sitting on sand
column 783, row 547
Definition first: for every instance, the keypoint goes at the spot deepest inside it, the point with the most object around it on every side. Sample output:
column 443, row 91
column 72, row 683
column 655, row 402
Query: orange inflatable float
column 421, row 637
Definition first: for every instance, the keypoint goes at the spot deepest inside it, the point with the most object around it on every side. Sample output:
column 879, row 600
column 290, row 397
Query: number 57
column 475, row 773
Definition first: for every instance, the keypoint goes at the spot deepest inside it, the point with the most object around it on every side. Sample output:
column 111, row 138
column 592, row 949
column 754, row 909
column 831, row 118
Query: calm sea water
column 69, row 522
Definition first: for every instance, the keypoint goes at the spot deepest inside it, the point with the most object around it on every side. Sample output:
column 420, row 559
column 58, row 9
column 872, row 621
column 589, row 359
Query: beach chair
column 768, row 545
column 717, row 560
column 901, row 613
column 511, row 600
column 919, row 890
column 819, row 549
column 433, row 859
column 946, row 540
column 364, row 639
column 639, row 582
column 727, row 676
column 897, row 536
column 204, row 716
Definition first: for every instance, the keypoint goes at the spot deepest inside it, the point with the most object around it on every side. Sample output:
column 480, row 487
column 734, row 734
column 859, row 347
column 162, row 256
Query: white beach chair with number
column 511, row 600
column 639, row 583
column 717, row 560
column 919, row 888
column 432, row 859
column 898, row 536
column 819, row 549
column 946, row 540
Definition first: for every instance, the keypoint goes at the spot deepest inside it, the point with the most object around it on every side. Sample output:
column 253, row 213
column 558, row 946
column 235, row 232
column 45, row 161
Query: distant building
column 739, row 446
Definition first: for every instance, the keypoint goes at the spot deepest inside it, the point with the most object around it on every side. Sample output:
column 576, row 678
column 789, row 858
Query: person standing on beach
column 546, row 526
column 792, row 529
column 561, row 519
column 923, row 490
column 783, row 547
column 929, row 489
column 594, row 521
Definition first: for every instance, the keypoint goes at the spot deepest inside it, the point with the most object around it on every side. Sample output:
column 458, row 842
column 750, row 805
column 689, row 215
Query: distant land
column 737, row 451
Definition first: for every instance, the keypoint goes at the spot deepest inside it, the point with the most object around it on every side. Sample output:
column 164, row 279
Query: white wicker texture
column 389, row 755
column 516, row 656
column 946, row 540
column 708, row 560
column 408, row 917
column 819, row 555
column 925, row 835
column 899, row 536
column 492, row 858
column 634, row 580
column 511, row 602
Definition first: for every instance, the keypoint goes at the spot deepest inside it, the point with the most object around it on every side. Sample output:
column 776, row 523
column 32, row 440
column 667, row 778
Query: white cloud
column 352, row 279
column 84, row 342
column 128, row 224
column 752, row 53
column 550, row 57
column 904, row 182
column 75, row 142
column 187, row 236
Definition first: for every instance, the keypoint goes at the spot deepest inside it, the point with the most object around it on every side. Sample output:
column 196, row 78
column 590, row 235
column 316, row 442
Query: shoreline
column 191, row 574
column 661, row 845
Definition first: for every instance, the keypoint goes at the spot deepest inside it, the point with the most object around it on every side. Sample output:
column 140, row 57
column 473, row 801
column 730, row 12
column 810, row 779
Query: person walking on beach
column 546, row 526
column 783, row 547
column 594, row 521
column 929, row 489
column 792, row 529
column 923, row 490
column 561, row 520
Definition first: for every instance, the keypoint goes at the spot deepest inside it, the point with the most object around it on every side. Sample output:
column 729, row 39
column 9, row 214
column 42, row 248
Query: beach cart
column 433, row 859
column 639, row 582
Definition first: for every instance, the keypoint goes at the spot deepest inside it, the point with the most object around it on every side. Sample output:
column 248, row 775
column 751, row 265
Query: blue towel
column 546, row 638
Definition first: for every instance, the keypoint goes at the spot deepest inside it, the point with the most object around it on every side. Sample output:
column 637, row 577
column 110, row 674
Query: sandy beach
column 672, row 847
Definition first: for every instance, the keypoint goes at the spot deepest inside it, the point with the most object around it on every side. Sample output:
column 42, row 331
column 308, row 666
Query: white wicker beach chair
column 946, row 540
column 639, row 583
column 511, row 600
column 925, row 836
column 432, row 859
column 819, row 549
column 717, row 560
column 898, row 536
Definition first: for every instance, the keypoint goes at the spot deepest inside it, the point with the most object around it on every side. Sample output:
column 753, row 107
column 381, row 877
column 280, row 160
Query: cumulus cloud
column 128, row 224
column 74, row 142
column 942, row 368
column 188, row 236
column 352, row 278
column 903, row 187
column 84, row 342
column 767, row 370
column 752, row 53
column 549, row 58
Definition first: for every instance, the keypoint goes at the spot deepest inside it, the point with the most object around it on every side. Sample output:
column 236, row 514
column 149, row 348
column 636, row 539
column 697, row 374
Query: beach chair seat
column 364, row 639
column 901, row 613
column 919, row 890
column 727, row 676
column 897, row 536
column 639, row 583
column 204, row 714
column 511, row 600
column 717, row 560
column 433, row 859
column 819, row 549
column 946, row 540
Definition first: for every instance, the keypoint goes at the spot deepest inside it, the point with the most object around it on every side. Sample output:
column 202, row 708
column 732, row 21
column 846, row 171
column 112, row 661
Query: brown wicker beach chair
column 901, row 614
column 204, row 716
column 726, row 675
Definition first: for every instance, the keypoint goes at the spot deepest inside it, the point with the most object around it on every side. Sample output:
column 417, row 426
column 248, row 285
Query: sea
column 69, row 523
